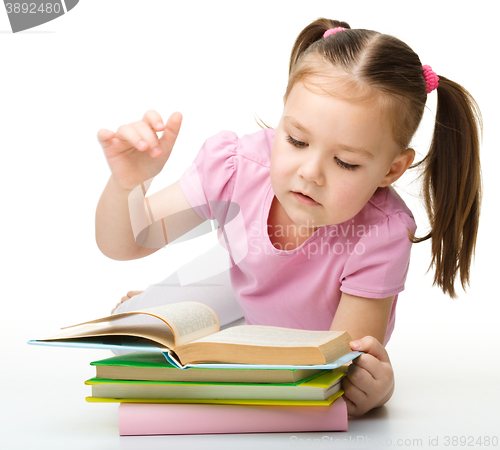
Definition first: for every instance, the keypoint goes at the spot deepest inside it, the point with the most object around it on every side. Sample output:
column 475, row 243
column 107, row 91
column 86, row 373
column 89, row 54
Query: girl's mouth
column 304, row 199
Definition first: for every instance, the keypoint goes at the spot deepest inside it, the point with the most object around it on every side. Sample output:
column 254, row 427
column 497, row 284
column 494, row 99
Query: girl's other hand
column 135, row 153
column 369, row 382
column 129, row 295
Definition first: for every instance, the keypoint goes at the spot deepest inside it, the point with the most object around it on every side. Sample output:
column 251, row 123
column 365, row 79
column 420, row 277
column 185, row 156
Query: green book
column 153, row 366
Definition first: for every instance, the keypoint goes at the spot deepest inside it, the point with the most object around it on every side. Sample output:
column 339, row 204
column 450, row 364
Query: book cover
column 219, row 401
column 103, row 344
column 155, row 419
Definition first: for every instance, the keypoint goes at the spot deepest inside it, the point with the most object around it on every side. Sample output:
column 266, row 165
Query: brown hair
column 372, row 63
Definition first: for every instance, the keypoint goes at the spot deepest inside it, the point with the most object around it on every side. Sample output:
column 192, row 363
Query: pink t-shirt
column 366, row 256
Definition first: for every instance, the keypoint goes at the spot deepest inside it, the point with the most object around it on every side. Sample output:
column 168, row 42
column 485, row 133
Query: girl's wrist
column 118, row 186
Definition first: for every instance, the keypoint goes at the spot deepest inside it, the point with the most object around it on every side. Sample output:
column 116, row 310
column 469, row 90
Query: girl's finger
column 129, row 134
column 132, row 293
column 353, row 393
column 154, row 120
column 105, row 137
column 171, row 132
column 358, row 377
column 148, row 136
column 370, row 345
column 369, row 363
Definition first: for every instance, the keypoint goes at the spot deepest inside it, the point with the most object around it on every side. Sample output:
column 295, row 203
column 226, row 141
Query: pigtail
column 452, row 185
column 310, row 34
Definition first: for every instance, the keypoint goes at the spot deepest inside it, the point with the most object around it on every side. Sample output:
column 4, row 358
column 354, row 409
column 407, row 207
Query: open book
column 190, row 333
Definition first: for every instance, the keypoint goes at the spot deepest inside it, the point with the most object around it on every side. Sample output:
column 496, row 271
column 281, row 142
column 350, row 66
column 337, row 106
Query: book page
column 271, row 336
column 185, row 321
column 189, row 321
column 158, row 332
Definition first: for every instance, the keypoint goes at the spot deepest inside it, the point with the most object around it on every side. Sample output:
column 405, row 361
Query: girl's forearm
column 114, row 235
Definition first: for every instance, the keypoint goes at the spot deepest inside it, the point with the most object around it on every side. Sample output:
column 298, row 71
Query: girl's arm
column 129, row 225
column 116, row 222
column 370, row 379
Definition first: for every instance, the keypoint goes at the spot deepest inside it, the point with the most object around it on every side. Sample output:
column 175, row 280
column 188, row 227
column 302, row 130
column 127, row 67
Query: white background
column 106, row 63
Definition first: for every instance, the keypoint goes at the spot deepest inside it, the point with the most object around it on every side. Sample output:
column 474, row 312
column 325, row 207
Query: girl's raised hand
column 135, row 153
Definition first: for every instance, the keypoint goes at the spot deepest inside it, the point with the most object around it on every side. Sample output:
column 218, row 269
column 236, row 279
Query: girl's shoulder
column 389, row 202
column 257, row 146
column 386, row 209
column 220, row 149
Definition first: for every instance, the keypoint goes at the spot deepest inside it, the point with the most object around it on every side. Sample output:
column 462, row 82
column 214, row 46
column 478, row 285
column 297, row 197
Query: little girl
column 317, row 237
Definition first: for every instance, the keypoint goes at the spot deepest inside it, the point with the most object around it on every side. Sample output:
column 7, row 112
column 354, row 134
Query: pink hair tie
column 431, row 79
column 333, row 31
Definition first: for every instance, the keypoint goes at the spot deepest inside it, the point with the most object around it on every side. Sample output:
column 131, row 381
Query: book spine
column 135, row 419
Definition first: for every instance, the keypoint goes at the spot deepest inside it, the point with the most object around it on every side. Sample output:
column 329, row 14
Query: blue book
column 188, row 334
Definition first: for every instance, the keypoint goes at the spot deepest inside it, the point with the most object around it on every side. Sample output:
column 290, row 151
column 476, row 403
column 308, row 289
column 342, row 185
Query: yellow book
column 326, row 402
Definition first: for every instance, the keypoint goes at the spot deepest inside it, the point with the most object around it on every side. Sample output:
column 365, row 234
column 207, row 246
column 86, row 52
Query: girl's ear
column 398, row 167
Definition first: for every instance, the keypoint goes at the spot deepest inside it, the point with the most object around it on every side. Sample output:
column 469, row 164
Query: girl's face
column 335, row 152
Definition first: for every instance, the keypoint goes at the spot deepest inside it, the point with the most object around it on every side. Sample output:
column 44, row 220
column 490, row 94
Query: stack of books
column 159, row 398
column 192, row 378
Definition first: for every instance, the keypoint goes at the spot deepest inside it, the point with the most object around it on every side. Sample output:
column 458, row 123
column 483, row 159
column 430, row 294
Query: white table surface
column 43, row 404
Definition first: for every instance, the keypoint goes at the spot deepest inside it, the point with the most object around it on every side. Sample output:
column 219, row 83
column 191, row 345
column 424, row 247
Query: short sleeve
column 210, row 179
column 378, row 264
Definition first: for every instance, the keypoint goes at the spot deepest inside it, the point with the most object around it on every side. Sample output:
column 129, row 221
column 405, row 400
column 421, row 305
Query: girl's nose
column 312, row 171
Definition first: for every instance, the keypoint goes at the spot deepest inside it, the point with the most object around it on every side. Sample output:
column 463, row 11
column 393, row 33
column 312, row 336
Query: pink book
column 181, row 418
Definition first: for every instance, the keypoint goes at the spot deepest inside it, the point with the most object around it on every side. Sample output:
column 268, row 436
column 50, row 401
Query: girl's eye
column 301, row 144
column 296, row 143
column 345, row 165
